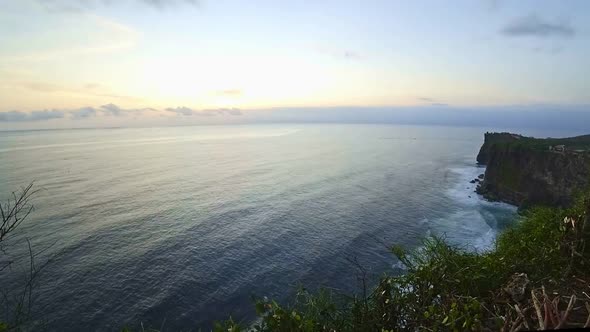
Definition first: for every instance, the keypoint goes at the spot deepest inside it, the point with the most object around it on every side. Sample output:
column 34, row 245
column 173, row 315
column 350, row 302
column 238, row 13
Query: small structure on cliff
column 557, row 148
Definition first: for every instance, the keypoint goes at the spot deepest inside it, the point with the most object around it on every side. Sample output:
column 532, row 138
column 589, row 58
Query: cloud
column 426, row 99
column 75, row 114
column 108, row 110
column 351, row 55
column 534, row 26
column 16, row 116
column 82, row 113
column 547, row 116
column 185, row 111
column 13, row 116
column 46, row 115
column 431, row 101
column 112, row 109
column 181, row 111
column 77, row 6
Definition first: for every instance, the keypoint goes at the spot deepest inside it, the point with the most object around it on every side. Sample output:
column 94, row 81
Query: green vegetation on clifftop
column 572, row 144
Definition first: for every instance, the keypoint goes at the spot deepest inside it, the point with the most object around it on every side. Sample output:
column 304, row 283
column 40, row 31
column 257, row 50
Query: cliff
column 528, row 171
column 491, row 139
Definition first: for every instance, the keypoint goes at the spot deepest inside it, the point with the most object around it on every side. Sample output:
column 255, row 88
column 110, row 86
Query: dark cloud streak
column 114, row 110
column 533, row 26
column 426, row 99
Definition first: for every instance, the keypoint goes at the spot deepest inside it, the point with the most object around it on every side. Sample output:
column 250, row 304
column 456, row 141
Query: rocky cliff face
column 491, row 139
column 525, row 171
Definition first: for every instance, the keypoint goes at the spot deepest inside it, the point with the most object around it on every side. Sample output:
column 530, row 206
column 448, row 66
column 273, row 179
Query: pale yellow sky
column 70, row 54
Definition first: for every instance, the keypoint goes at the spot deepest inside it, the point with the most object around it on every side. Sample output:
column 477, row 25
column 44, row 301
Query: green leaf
column 260, row 308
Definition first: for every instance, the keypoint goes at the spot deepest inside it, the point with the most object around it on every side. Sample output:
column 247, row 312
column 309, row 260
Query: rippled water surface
column 180, row 226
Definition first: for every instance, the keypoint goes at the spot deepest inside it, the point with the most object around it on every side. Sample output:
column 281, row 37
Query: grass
column 543, row 144
column 537, row 276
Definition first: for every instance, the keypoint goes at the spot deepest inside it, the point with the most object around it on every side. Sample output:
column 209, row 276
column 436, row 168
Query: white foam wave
column 467, row 229
column 399, row 266
column 473, row 225
column 463, row 191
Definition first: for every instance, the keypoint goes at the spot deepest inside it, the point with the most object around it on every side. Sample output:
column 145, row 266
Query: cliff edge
column 528, row 171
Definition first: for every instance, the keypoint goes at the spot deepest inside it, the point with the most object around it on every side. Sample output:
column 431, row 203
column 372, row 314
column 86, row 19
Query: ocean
column 177, row 227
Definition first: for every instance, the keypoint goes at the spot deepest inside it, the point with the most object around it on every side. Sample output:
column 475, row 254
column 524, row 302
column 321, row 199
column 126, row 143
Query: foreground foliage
column 537, row 277
column 16, row 301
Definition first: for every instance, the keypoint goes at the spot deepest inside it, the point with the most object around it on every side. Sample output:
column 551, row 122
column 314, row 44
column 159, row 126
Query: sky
column 95, row 63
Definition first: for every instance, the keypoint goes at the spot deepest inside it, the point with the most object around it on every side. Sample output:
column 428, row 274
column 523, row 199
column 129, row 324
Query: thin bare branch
column 587, row 324
column 563, row 318
column 16, row 210
column 538, row 310
column 521, row 314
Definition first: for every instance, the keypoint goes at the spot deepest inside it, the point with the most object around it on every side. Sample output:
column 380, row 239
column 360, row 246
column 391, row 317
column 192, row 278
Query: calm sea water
column 178, row 227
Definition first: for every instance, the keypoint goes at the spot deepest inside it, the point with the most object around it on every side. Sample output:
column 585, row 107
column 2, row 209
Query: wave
column 475, row 223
